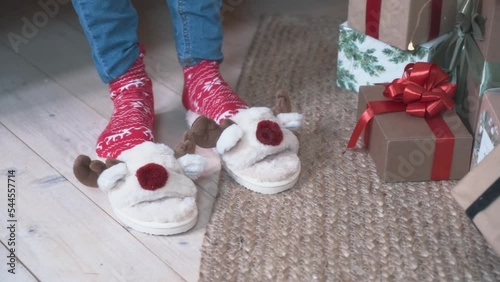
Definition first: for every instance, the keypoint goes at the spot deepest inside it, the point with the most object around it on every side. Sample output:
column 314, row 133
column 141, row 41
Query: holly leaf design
column 368, row 62
column 421, row 52
column 345, row 79
column 399, row 56
column 349, row 42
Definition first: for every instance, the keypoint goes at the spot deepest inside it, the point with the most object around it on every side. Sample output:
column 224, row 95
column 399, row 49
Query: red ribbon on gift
column 436, row 10
column 372, row 17
column 423, row 91
column 373, row 12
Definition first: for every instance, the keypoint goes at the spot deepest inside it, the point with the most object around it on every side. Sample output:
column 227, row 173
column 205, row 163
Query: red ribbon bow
column 423, row 91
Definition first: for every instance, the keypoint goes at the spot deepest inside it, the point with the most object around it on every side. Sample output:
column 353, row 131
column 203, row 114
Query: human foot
column 132, row 120
column 257, row 147
column 206, row 93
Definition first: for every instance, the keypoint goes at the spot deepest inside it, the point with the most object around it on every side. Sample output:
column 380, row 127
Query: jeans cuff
column 189, row 62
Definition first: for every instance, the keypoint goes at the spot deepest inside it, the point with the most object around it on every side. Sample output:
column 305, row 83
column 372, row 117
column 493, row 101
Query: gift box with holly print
column 363, row 60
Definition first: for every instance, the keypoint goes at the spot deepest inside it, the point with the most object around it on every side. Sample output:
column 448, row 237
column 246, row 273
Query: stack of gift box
column 427, row 74
column 381, row 37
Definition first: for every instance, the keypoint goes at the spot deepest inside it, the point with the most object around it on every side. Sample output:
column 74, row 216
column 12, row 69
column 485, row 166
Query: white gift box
column 363, row 60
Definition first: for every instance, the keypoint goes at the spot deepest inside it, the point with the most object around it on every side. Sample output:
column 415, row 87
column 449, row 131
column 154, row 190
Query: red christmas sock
column 206, row 93
column 133, row 117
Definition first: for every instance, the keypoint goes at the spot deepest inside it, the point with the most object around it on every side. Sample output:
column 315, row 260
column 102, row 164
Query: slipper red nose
column 269, row 133
column 152, row 176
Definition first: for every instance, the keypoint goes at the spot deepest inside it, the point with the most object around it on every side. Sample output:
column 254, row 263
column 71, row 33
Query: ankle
column 135, row 77
column 206, row 93
column 191, row 75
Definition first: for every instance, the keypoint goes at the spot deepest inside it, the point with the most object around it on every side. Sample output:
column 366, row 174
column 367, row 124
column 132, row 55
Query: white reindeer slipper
column 257, row 147
column 149, row 186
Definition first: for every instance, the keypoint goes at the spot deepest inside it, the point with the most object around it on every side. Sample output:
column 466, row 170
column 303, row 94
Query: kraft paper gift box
column 487, row 136
column 399, row 22
column 478, row 194
column 363, row 60
column 403, row 146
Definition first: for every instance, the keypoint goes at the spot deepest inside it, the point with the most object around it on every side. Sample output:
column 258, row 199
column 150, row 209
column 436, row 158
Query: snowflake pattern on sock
column 132, row 121
column 206, row 93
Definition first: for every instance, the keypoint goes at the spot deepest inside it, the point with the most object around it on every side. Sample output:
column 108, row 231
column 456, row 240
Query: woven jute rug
column 340, row 223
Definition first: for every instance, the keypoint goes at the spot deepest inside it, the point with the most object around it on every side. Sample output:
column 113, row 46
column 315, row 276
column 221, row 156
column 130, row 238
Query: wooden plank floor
column 52, row 108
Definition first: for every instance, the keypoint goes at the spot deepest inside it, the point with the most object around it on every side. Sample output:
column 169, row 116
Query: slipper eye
column 269, row 133
column 152, row 176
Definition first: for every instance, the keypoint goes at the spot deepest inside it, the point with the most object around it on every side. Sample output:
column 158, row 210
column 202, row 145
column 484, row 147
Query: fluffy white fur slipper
column 257, row 147
column 150, row 190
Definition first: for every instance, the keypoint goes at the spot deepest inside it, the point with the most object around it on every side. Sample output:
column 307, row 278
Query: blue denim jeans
column 111, row 29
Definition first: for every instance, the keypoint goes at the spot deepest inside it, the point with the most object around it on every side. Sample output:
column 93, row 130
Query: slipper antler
column 186, row 146
column 283, row 103
column 87, row 171
column 206, row 131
